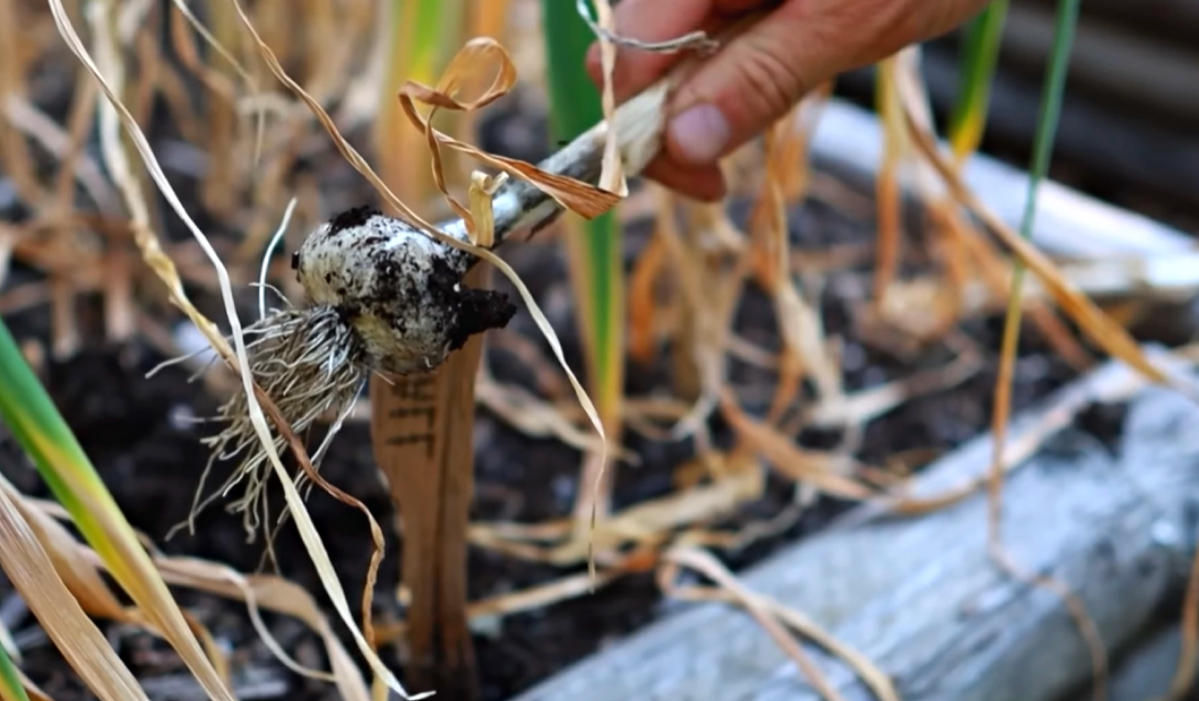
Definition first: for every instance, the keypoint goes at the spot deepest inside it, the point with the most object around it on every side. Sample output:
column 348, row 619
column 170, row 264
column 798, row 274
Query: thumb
column 748, row 85
column 760, row 75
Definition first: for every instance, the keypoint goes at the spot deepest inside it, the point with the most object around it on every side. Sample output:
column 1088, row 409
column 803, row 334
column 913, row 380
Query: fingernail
column 699, row 134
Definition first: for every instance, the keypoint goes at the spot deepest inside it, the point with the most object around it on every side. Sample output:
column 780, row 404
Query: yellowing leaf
column 74, row 634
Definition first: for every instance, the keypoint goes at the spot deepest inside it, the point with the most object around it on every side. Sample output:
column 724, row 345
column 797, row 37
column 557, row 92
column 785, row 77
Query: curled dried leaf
column 581, row 198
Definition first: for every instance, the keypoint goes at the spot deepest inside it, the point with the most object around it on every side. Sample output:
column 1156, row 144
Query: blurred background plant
column 594, row 247
column 743, row 356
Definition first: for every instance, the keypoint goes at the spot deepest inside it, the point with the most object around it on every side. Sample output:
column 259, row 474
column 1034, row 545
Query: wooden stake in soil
column 422, row 437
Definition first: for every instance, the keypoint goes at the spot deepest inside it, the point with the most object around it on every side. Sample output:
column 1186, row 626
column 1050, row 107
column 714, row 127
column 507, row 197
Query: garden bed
column 136, row 430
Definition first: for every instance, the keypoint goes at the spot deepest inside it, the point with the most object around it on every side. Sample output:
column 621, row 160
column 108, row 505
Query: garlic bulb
column 398, row 288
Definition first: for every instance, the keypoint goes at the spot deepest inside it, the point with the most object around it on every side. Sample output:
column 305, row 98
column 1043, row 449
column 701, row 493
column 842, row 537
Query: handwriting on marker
column 404, row 412
column 418, row 389
column 414, row 438
column 419, row 394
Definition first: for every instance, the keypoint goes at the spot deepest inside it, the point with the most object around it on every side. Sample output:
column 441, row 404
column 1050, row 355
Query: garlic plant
column 384, row 297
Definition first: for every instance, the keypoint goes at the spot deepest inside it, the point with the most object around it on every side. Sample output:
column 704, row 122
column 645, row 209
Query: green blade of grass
column 574, row 108
column 35, row 423
column 1047, row 122
column 11, row 687
column 981, row 51
column 424, row 36
column 596, row 265
column 43, row 434
column 1052, row 94
column 1051, row 106
column 421, row 29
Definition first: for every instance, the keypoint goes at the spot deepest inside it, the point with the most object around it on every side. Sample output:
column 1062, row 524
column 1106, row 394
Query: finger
column 756, row 78
column 737, row 7
column 750, row 83
column 648, row 21
column 703, row 183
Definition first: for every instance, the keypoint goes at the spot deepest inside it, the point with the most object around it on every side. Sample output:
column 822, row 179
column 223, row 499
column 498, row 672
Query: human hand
column 754, row 79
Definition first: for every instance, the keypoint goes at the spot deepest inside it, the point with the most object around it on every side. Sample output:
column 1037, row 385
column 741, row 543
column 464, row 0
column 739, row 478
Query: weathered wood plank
column 848, row 142
column 1146, row 671
column 921, row 598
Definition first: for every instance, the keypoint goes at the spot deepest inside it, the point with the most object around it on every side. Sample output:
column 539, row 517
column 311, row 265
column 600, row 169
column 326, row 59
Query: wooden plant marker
column 422, row 435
